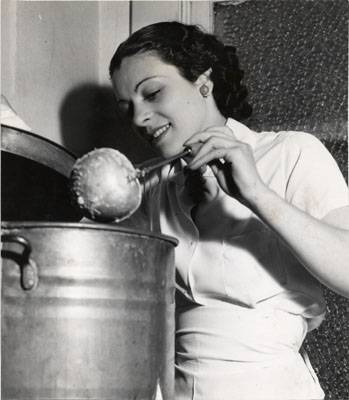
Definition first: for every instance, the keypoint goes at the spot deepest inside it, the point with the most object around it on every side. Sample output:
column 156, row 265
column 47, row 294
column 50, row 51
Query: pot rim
column 37, row 148
column 86, row 225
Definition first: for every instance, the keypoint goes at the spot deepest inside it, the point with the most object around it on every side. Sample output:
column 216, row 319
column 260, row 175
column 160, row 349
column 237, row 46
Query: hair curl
column 193, row 52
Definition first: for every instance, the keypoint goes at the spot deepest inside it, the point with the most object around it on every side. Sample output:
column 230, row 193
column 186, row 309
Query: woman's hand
column 231, row 161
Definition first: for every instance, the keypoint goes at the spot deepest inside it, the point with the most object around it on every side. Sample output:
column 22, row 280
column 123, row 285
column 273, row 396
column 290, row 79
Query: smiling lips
column 156, row 134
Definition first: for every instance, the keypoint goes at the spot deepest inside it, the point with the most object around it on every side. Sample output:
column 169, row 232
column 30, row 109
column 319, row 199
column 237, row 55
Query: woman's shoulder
column 295, row 138
column 301, row 139
column 291, row 142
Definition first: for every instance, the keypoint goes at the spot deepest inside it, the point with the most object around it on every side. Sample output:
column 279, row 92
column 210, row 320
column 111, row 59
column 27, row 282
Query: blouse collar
column 242, row 132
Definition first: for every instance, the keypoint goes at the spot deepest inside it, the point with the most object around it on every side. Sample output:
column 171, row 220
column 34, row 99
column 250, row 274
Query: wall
column 55, row 57
column 50, row 53
column 192, row 12
column 53, row 50
column 295, row 58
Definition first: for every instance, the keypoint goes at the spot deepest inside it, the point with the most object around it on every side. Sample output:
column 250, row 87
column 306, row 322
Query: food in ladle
column 104, row 185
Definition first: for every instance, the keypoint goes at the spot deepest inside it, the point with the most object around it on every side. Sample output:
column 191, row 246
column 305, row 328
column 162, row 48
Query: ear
column 204, row 79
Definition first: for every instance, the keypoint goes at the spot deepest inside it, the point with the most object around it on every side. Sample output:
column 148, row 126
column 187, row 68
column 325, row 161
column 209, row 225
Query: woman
column 260, row 218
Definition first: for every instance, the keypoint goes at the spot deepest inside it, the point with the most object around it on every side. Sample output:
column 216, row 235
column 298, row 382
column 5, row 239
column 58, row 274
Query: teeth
column 160, row 131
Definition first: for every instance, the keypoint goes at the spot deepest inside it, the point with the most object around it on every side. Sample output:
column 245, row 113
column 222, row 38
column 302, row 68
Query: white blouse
column 233, row 272
column 236, row 258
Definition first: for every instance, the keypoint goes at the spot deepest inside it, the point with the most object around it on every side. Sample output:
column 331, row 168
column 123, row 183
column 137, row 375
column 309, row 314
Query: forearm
column 323, row 249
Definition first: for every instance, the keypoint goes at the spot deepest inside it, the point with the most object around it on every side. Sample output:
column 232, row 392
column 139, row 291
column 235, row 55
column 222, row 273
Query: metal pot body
column 87, row 312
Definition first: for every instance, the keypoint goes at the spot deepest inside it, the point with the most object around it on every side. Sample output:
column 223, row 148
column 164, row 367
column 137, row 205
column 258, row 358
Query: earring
column 204, row 90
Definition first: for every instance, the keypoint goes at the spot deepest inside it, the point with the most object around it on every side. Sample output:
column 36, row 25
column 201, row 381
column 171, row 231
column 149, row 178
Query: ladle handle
column 142, row 172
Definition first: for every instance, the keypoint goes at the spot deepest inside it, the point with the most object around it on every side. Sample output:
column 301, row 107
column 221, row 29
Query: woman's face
column 166, row 108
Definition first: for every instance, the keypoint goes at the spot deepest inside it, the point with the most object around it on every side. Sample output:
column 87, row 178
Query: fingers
column 208, row 154
column 219, row 148
column 231, row 160
column 214, row 148
column 219, row 131
column 209, row 145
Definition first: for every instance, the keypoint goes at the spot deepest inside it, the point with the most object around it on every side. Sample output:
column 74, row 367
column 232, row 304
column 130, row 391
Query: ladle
column 106, row 186
column 142, row 172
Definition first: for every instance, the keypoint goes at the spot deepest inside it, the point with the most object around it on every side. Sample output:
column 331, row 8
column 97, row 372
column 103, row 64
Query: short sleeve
column 315, row 183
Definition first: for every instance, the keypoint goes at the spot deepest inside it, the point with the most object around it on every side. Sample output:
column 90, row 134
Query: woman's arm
column 322, row 246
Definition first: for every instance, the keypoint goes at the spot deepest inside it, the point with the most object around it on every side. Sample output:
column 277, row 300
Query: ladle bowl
column 106, row 186
column 101, row 186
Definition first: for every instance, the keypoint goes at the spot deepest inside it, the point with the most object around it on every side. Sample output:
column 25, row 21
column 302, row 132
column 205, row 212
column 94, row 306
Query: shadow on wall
column 89, row 120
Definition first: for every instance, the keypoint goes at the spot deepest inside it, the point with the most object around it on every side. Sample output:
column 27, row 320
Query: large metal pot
column 87, row 312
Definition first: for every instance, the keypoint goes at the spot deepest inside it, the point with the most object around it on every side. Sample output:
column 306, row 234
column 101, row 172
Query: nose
column 141, row 115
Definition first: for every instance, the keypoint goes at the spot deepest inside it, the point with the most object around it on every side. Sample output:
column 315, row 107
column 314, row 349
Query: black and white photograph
column 174, row 200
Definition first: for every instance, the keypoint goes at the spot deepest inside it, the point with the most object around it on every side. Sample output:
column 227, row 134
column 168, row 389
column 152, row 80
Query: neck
column 214, row 116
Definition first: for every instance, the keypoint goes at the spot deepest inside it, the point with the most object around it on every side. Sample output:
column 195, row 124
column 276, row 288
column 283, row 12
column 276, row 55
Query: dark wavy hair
column 193, row 52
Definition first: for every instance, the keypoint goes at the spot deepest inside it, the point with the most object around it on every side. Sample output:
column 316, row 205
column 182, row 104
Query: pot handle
column 29, row 271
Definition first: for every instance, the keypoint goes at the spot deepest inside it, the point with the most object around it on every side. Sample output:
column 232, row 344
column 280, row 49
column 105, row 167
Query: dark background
column 294, row 53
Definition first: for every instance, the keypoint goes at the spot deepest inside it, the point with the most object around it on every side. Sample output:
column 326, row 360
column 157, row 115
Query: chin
column 167, row 153
column 164, row 153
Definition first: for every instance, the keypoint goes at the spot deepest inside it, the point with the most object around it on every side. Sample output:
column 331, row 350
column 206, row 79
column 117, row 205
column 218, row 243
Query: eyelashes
column 152, row 96
column 126, row 108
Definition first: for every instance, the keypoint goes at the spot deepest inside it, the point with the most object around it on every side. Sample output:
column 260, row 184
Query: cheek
column 187, row 108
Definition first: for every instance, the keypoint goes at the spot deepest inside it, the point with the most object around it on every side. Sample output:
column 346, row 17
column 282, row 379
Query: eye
column 152, row 96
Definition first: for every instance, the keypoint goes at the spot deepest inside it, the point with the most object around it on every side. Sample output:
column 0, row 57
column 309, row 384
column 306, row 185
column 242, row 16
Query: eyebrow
column 137, row 86
column 143, row 80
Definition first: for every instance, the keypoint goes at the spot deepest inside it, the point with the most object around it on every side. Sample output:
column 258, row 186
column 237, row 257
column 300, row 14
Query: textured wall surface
column 294, row 54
